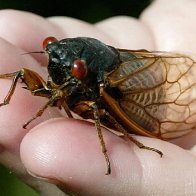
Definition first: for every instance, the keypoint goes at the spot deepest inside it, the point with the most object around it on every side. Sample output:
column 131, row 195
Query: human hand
column 66, row 151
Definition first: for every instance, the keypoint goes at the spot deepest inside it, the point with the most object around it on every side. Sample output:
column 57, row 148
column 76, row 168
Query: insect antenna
column 34, row 52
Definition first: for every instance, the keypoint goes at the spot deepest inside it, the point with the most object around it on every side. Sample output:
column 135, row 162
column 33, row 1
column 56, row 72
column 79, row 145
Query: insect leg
column 67, row 110
column 58, row 94
column 32, row 80
column 101, row 139
column 126, row 134
column 38, row 114
column 15, row 75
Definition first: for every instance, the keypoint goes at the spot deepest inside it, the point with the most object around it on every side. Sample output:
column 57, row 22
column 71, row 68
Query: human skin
column 66, row 151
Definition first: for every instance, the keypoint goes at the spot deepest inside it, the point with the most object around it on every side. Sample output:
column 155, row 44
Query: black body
column 99, row 57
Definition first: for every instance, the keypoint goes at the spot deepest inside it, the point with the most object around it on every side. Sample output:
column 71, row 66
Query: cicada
column 131, row 91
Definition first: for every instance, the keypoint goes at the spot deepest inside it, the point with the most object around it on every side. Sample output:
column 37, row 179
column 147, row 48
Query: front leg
column 33, row 82
column 38, row 87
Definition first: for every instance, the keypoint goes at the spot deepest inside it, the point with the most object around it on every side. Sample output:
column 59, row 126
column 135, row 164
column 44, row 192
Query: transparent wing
column 158, row 91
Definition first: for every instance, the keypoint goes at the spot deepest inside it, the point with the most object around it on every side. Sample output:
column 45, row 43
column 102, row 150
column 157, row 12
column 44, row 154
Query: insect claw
column 159, row 152
column 152, row 149
column 108, row 165
column 3, row 104
column 28, row 122
column 108, row 171
column 24, row 126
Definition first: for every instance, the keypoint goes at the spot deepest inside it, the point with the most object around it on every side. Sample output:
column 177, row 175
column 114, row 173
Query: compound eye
column 47, row 41
column 79, row 69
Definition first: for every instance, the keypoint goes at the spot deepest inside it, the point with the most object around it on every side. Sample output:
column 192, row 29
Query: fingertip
column 68, row 151
column 65, row 150
column 56, row 144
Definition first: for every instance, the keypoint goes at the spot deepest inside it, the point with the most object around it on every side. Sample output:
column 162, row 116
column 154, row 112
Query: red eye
column 47, row 41
column 79, row 69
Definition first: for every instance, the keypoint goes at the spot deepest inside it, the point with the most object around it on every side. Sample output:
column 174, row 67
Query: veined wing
column 158, row 91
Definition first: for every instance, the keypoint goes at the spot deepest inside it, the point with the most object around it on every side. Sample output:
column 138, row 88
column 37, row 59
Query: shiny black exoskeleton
column 99, row 57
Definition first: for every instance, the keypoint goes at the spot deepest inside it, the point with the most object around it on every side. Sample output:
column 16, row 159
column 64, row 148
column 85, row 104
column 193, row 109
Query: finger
column 173, row 31
column 68, row 153
column 76, row 28
column 116, row 31
column 128, row 32
column 172, row 25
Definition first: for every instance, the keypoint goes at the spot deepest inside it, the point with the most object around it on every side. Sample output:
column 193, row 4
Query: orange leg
column 127, row 135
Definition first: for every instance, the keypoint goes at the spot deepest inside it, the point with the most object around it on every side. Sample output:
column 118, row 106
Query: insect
column 132, row 91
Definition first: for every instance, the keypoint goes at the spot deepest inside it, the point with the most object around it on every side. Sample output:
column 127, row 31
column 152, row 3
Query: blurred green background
column 10, row 185
column 90, row 11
